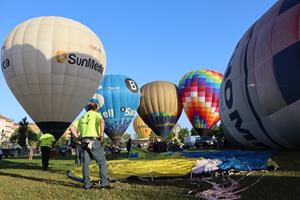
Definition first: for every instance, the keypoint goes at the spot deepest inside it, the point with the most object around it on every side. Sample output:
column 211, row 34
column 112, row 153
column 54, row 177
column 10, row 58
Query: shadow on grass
column 48, row 181
column 271, row 187
column 268, row 187
column 35, row 164
column 11, row 164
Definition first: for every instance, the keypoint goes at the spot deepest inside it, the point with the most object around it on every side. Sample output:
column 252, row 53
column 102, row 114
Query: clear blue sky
column 146, row 40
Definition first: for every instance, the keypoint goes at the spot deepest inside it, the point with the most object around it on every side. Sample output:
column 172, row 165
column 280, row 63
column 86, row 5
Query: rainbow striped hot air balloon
column 199, row 92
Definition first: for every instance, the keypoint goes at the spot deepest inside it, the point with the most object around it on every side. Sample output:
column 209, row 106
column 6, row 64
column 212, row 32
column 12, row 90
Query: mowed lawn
column 24, row 179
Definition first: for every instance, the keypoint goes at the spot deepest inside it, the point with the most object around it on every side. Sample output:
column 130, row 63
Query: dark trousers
column 45, row 156
column 78, row 155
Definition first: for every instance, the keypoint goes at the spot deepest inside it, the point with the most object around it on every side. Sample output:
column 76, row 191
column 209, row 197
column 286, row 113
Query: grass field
column 24, row 179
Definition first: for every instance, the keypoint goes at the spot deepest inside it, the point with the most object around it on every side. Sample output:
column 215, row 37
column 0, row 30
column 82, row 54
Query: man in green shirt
column 91, row 129
column 46, row 142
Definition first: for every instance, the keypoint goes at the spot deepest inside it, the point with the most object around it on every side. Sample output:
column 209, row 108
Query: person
column 128, row 146
column 30, row 155
column 78, row 150
column 91, row 128
column 46, row 142
column 1, row 154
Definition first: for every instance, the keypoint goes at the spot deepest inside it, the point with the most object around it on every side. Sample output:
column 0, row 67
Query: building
column 7, row 128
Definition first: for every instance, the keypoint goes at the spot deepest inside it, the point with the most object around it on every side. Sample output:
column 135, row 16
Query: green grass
column 24, row 179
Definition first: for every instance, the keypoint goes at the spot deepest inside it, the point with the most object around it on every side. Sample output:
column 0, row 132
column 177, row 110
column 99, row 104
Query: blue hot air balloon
column 118, row 98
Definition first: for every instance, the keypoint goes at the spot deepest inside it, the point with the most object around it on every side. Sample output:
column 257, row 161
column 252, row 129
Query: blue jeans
column 97, row 152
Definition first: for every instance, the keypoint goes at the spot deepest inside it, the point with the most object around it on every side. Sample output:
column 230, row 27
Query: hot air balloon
column 140, row 128
column 199, row 93
column 160, row 106
column 96, row 98
column 52, row 65
column 260, row 95
column 121, row 99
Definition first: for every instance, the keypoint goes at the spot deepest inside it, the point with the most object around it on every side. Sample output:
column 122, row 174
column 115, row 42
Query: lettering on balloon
column 128, row 111
column 131, row 85
column 235, row 115
column 84, row 62
column 61, row 57
column 5, row 64
column 108, row 113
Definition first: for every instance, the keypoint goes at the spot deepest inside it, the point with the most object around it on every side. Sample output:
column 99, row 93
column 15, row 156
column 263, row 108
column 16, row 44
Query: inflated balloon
column 199, row 93
column 160, row 106
column 53, row 65
column 141, row 128
column 121, row 99
column 260, row 97
column 96, row 98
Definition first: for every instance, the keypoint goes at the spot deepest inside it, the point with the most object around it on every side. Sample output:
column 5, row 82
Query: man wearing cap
column 46, row 142
column 91, row 128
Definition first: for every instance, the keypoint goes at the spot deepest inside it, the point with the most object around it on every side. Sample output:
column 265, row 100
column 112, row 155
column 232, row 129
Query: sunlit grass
column 24, row 179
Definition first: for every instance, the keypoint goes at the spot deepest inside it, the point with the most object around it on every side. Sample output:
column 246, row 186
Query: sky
column 146, row 40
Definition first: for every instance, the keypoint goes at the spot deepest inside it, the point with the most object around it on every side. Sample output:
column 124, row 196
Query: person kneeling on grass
column 91, row 128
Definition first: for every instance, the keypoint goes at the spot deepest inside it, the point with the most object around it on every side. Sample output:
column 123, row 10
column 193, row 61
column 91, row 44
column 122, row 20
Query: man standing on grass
column 91, row 128
column 46, row 142
column 78, row 150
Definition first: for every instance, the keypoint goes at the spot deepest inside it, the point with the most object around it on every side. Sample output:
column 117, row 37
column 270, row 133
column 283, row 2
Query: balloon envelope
column 160, row 106
column 260, row 95
column 53, row 66
column 121, row 99
column 199, row 93
column 141, row 128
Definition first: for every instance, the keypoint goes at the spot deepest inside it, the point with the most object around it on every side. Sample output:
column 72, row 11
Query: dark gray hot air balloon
column 260, row 93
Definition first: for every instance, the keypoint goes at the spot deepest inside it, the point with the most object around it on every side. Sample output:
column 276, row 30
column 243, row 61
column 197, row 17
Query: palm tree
column 23, row 128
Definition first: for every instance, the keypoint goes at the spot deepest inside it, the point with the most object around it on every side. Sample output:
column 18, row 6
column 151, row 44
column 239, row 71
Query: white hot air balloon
column 53, row 65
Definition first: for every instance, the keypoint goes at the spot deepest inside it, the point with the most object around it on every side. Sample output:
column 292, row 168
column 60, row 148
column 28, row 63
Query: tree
column 216, row 130
column 32, row 137
column 23, row 129
column 182, row 133
column 14, row 137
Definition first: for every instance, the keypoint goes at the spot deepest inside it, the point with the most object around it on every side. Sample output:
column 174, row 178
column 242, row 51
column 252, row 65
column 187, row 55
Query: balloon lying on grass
column 141, row 128
column 121, row 99
column 160, row 106
column 53, row 66
column 199, row 92
column 260, row 95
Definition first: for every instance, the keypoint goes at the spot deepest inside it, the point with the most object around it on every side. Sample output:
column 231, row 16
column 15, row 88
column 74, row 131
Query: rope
column 220, row 191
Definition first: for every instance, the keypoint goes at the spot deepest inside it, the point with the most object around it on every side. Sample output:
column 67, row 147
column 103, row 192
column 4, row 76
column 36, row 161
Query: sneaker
column 87, row 186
